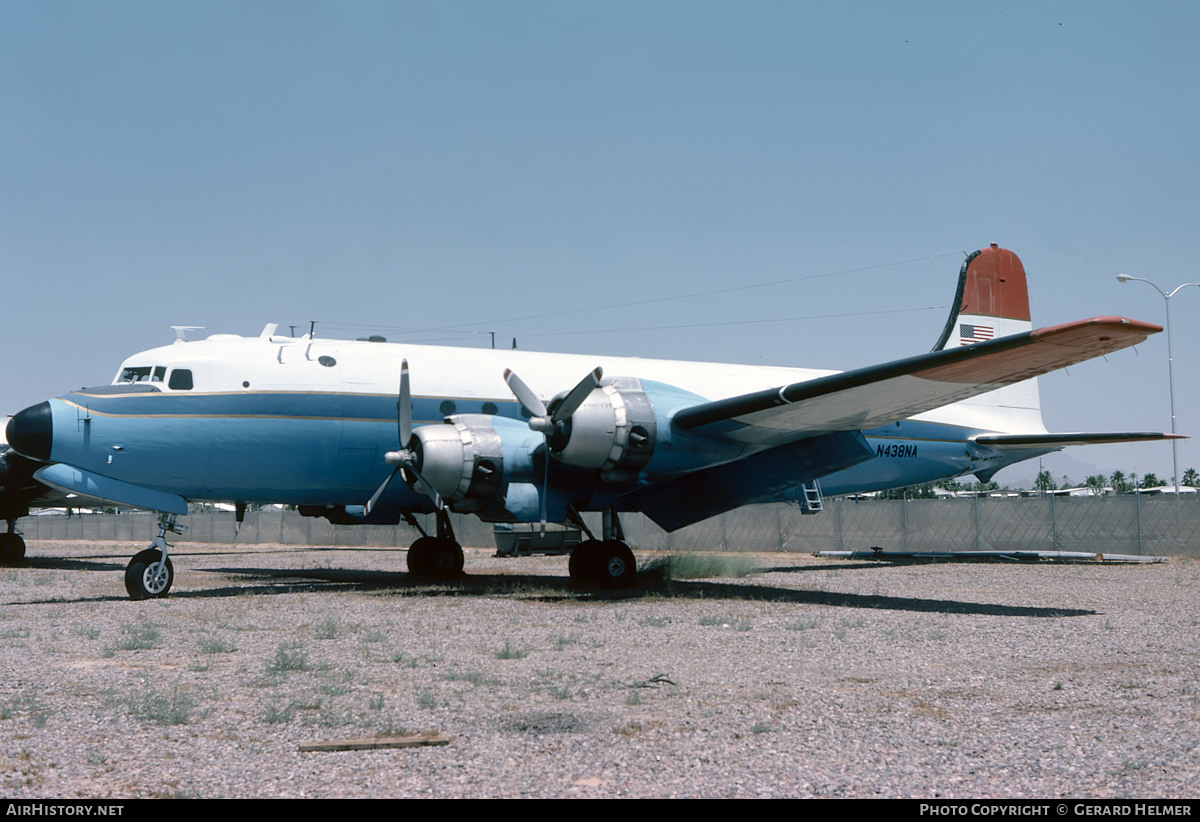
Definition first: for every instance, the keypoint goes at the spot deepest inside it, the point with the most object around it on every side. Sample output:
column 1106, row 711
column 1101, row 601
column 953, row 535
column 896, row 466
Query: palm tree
column 1044, row 481
column 1119, row 484
column 1190, row 477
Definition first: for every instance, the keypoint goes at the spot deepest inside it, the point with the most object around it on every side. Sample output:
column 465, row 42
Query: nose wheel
column 150, row 573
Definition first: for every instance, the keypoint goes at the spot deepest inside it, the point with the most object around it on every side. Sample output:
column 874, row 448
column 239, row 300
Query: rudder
column 992, row 299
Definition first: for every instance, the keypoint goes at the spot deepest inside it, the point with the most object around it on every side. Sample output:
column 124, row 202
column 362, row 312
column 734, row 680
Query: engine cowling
column 614, row 431
column 472, row 457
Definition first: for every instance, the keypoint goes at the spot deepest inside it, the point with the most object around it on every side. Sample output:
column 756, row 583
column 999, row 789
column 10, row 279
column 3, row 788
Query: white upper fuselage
column 225, row 363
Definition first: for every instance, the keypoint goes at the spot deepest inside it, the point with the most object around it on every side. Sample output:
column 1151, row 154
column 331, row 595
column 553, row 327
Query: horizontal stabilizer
column 882, row 394
column 1023, row 442
column 72, row 480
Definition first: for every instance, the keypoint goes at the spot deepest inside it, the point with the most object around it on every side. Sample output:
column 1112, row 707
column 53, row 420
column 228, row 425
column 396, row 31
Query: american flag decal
column 974, row 333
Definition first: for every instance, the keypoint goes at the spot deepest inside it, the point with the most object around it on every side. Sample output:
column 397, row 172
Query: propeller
column 404, row 459
column 550, row 423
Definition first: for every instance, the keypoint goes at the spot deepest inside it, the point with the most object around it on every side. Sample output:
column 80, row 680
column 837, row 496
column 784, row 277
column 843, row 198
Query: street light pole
column 1124, row 278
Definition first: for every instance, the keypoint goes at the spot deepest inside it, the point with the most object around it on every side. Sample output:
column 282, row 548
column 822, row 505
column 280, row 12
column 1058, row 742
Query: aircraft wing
column 870, row 397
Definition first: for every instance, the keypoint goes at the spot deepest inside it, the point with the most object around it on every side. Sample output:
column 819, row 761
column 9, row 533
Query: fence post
column 1139, row 520
column 976, row 521
column 1053, row 523
column 840, row 526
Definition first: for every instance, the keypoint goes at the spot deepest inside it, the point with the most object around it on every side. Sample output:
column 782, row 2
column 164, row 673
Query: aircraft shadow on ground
column 651, row 583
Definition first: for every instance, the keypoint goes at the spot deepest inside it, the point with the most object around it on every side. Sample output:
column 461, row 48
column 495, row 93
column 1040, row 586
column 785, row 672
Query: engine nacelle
column 613, row 431
column 470, row 458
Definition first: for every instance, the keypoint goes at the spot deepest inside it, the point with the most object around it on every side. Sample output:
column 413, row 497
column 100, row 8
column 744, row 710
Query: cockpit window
column 143, row 373
column 140, row 373
column 181, row 379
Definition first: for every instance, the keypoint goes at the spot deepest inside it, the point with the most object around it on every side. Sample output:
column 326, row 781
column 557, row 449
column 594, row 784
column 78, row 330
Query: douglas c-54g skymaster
column 320, row 424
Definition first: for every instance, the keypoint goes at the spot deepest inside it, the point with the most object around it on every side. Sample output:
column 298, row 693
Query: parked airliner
column 373, row 432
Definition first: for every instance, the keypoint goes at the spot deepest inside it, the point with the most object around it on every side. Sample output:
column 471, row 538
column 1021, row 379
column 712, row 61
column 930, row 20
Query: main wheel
column 609, row 564
column 12, row 548
column 435, row 557
column 614, row 565
column 147, row 576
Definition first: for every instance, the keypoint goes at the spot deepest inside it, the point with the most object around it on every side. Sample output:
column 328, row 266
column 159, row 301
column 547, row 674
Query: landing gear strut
column 604, row 563
column 439, row 557
column 12, row 545
column 149, row 574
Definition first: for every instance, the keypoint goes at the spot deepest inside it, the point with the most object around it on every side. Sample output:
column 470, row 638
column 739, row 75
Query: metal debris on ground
column 1013, row 556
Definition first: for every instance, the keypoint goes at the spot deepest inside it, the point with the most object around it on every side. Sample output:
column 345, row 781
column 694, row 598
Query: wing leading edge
column 869, row 397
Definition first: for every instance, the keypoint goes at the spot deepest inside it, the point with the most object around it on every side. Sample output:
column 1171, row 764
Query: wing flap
column 878, row 395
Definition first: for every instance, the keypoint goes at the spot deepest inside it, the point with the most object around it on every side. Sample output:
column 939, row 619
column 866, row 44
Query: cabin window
column 181, row 379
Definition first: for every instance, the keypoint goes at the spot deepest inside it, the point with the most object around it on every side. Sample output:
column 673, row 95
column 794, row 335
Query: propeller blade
column 579, row 393
column 379, row 492
column 524, row 394
column 404, row 411
column 425, row 487
column 545, row 485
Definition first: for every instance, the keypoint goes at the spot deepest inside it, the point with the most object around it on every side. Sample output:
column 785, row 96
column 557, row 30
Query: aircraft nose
column 30, row 432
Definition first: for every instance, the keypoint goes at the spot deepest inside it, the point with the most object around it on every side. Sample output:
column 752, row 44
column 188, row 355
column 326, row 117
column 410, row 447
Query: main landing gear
column 12, row 545
column 149, row 574
column 439, row 557
column 603, row 563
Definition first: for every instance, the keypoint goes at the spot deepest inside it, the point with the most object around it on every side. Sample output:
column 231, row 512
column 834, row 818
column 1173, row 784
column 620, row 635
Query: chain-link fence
column 1164, row 525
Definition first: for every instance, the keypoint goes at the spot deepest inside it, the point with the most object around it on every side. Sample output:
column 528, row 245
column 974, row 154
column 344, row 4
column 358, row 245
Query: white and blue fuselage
column 300, row 421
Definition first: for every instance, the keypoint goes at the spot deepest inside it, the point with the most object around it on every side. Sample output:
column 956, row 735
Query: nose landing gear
column 149, row 574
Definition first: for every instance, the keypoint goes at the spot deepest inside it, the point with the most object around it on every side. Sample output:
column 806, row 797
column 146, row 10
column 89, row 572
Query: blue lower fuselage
column 320, row 448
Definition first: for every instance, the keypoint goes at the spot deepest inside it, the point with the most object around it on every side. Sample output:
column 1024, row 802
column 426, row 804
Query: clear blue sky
column 609, row 177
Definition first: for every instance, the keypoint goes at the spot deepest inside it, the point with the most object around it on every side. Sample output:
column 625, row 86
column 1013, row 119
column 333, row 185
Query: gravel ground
column 808, row 677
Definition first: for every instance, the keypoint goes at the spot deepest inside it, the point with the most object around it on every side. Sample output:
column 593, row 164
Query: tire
column 147, row 577
column 12, row 549
column 582, row 561
column 614, row 566
column 435, row 558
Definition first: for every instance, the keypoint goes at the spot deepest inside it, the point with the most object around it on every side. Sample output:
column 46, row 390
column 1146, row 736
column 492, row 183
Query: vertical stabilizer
column 992, row 301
